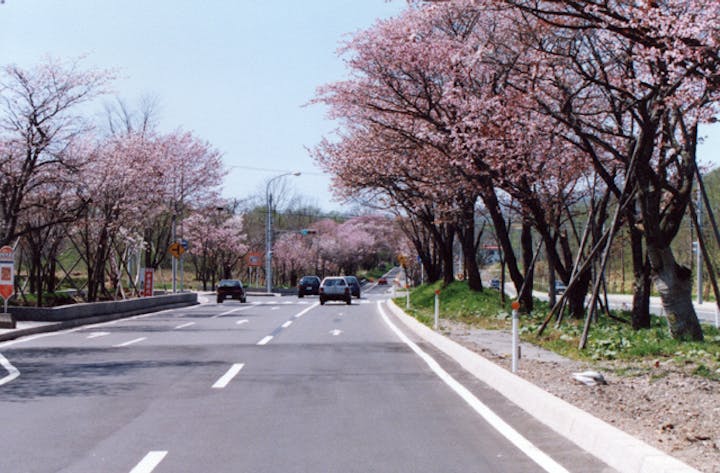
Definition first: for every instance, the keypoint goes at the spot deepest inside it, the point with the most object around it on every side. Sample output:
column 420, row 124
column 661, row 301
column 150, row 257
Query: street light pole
column 268, row 230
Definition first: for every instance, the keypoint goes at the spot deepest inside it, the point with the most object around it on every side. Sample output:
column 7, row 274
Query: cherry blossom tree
column 291, row 252
column 218, row 243
column 39, row 119
column 631, row 81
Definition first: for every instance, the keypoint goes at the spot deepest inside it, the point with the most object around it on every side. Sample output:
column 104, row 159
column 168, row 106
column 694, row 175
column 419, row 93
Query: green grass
column 608, row 340
column 50, row 299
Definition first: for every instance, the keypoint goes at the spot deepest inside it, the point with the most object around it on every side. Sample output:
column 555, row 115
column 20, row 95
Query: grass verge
column 608, row 339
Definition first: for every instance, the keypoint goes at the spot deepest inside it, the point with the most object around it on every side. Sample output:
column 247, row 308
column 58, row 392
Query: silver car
column 335, row 288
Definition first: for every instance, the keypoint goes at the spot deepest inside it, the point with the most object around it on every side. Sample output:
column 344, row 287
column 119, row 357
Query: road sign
column 148, row 282
column 184, row 243
column 254, row 260
column 7, row 272
column 176, row 250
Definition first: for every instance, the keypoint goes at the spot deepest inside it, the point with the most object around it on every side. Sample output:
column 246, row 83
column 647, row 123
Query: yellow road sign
column 176, row 249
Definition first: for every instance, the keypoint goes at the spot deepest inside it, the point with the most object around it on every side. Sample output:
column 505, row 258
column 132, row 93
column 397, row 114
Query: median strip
column 227, row 377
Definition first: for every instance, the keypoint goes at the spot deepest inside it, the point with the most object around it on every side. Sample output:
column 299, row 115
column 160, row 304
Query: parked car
column 308, row 286
column 560, row 287
column 335, row 288
column 354, row 285
column 230, row 289
column 495, row 284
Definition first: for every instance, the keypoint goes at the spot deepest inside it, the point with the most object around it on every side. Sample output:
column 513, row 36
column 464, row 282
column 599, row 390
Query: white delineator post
column 437, row 307
column 717, row 316
column 515, row 344
column 407, row 296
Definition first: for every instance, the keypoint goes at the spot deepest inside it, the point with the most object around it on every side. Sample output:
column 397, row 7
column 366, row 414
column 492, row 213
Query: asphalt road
column 274, row 385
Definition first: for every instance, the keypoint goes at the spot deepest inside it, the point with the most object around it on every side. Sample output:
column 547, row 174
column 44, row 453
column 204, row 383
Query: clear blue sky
column 237, row 73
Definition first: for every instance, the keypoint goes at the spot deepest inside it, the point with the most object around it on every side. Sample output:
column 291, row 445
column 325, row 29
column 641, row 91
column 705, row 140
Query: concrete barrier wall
column 97, row 309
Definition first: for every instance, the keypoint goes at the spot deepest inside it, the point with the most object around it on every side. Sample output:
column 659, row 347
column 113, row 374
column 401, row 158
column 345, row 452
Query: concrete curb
column 618, row 449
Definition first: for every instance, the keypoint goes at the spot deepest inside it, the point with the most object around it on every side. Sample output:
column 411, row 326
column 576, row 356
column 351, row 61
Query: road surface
column 278, row 384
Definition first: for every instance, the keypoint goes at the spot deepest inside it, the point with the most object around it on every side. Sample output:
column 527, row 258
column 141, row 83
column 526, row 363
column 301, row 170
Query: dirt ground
column 657, row 402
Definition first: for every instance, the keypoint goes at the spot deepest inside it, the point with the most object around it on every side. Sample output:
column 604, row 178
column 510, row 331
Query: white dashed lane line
column 275, row 332
column 131, row 342
column 188, row 324
column 98, row 334
column 149, row 462
column 232, row 311
column 227, row 377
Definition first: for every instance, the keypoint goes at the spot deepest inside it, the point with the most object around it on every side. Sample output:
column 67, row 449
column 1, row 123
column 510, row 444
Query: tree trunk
column 467, row 241
column 526, row 300
column 674, row 283
column 641, row 282
column 503, row 237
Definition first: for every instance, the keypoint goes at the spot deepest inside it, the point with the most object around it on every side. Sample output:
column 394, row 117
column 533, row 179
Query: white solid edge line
column 265, row 340
column 149, row 462
column 12, row 371
column 512, row 435
column 124, row 344
column 227, row 377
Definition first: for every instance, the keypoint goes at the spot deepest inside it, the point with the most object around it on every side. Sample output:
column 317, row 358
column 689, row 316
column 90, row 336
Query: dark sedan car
column 230, row 289
column 308, row 286
column 354, row 285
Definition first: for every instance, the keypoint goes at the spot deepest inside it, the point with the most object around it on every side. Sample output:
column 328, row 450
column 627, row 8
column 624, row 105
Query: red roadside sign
column 254, row 260
column 148, row 277
column 7, row 272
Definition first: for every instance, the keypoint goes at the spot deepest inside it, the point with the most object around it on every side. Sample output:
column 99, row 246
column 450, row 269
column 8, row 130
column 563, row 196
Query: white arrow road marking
column 265, row 340
column 274, row 308
column 148, row 464
column 98, row 334
column 243, row 321
column 130, row 342
column 184, row 325
column 535, row 454
column 335, row 332
column 12, row 371
column 227, row 377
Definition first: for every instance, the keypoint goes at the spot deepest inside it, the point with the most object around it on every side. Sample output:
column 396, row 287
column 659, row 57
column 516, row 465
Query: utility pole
column 698, row 253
